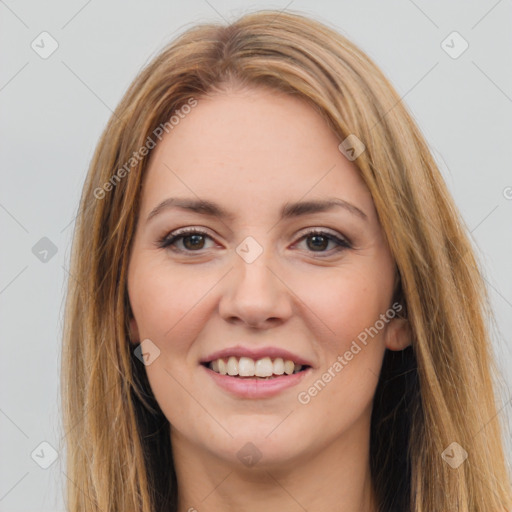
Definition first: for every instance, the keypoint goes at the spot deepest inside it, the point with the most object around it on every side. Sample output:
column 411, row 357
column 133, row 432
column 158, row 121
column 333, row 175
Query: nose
column 254, row 294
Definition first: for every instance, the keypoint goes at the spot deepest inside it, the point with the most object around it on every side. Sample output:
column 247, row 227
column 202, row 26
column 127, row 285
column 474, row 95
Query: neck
column 334, row 478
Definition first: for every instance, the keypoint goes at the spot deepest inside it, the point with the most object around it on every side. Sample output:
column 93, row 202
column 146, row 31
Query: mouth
column 265, row 368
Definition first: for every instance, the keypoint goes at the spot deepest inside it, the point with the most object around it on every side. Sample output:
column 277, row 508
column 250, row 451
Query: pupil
column 317, row 238
column 196, row 238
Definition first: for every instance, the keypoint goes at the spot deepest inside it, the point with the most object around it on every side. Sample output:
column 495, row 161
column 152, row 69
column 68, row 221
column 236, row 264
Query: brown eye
column 195, row 241
column 318, row 241
column 192, row 240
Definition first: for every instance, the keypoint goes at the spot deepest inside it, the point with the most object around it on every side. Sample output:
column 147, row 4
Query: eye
column 193, row 240
column 318, row 241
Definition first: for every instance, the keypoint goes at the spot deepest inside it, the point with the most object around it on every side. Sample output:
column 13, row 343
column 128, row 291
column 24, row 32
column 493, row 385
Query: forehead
column 254, row 145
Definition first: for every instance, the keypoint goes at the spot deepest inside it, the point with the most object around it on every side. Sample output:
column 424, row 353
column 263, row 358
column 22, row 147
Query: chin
column 255, row 448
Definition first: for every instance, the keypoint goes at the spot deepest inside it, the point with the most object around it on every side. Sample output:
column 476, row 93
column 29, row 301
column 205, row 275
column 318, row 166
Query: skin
column 251, row 151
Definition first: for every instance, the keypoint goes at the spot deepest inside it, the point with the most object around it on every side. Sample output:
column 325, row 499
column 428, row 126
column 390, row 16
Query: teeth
column 232, row 366
column 264, row 367
column 247, row 367
column 222, row 366
column 278, row 366
column 288, row 367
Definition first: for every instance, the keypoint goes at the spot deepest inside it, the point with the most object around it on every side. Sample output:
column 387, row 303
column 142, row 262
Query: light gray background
column 53, row 111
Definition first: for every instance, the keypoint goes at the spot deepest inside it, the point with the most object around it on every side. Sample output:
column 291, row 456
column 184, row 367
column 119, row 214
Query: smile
column 245, row 367
column 255, row 386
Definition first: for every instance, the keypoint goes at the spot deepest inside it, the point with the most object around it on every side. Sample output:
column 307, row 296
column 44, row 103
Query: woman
column 275, row 304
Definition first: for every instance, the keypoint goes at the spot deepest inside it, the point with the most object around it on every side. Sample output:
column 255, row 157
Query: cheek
column 348, row 302
column 166, row 305
column 162, row 300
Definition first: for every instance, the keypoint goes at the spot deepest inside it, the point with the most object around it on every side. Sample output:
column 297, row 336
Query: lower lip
column 256, row 388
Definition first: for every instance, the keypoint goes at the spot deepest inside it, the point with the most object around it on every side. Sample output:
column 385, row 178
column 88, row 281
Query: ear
column 134, row 331
column 398, row 334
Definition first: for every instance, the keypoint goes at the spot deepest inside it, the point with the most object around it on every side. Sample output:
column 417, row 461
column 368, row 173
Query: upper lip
column 255, row 354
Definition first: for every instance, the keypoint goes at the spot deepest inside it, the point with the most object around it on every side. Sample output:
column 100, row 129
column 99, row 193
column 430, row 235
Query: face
column 267, row 264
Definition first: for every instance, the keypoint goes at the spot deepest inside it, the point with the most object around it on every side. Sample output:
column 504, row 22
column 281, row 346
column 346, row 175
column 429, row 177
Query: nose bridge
column 255, row 273
column 252, row 269
column 253, row 292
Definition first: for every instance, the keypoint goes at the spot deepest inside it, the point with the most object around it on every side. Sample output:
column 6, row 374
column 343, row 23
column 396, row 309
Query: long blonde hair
column 436, row 392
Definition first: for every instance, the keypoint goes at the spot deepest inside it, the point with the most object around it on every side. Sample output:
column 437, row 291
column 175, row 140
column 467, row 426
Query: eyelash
column 169, row 239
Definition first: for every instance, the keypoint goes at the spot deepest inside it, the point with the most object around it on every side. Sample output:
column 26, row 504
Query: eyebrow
column 289, row 210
